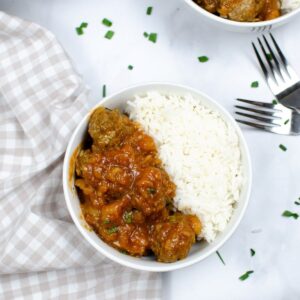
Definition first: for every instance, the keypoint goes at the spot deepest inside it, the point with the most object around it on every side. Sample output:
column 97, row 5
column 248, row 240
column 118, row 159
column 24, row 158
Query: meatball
column 171, row 240
column 241, row 10
column 209, row 5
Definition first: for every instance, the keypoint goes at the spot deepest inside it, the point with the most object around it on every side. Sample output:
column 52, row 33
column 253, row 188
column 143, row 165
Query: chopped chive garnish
column 79, row 30
column 246, row 275
column 282, row 147
column 274, row 102
column 130, row 67
column 127, row 217
column 152, row 37
column 252, row 251
column 203, row 59
column 297, row 202
column 289, row 214
column 221, row 258
column 254, row 84
column 145, row 34
column 269, row 56
column 106, row 221
column 112, row 230
column 104, row 91
column 106, row 22
column 149, row 10
column 151, row 191
column 286, row 121
column 84, row 25
column 109, row 34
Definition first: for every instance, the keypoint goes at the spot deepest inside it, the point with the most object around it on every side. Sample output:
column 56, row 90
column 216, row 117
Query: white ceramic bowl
column 199, row 250
column 243, row 26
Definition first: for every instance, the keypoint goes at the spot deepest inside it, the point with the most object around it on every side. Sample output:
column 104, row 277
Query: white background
column 182, row 37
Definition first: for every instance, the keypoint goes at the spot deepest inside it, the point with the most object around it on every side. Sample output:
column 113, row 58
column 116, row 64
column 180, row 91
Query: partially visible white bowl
column 200, row 250
column 243, row 26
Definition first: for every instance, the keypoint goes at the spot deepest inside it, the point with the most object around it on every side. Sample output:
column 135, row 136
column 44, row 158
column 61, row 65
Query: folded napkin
column 42, row 254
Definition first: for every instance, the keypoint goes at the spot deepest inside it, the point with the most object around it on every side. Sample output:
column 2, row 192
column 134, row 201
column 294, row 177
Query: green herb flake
column 203, row 59
column 152, row 37
column 84, row 25
column 127, row 217
column 106, row 22
column 104, row 91
column 79, row 30
column 269, row 56
column 130, row 67
column 282, row 147
column 286, row 121
column 245, row 275
column 297, row 202
column 252, row 251
column 149, row 10
column 255, row 84
column 109, row 34
column 106, row 221
column 289, row 214
column 112, row 230
column 151, row 191
column 145, row 34
column 274, row 102
column 221, row 258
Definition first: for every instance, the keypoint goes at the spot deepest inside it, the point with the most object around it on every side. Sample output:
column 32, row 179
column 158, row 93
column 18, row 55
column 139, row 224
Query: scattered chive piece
column 152, row 37
column 130, row 67
column 104, row 91
column 221, row 258
column 290, row 214
column 246, row 275
column 127, row 217
column 109, row 34
column 106, row 221
column 269, row 56
column 297, row 202
column 149, row 10
column 151, row 191
column 252, row 251
column 84, row 25
column 274, row 101
column 254, row 84
column 203, row 59
column 286, row 121
column 282, row 147
column 146, row 34
column 106, row 22
column 113, row 229
column 79, row 30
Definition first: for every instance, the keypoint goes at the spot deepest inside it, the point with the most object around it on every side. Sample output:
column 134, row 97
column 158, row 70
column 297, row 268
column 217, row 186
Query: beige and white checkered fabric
column 42, row 255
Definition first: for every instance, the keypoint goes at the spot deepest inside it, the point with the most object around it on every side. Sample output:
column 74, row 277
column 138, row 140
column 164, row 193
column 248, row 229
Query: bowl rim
column 242, row 24
column 182, row 263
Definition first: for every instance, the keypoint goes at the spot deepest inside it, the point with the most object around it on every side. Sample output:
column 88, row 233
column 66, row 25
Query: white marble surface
column 182, row 37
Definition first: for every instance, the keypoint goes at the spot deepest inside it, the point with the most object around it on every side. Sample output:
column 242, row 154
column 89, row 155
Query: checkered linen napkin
column 42, row 254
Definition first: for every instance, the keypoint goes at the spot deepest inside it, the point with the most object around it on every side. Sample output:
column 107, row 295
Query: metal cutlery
column 282, row 79
column 274, row 118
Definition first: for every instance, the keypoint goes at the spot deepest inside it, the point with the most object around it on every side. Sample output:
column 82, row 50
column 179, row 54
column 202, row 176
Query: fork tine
column 284, row 60
column 260, row 104
column 261, row 119
column 265, row 71
column 266, row 56
column 264, row 127
column 278, row 65
column 261, row 112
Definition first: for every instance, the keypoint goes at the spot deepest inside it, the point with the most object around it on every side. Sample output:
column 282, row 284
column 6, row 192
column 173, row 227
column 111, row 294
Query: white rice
column 199, row 150
column 289, row 5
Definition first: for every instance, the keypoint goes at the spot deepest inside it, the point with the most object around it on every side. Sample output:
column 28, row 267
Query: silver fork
column 275, row 118
column 283, row 81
